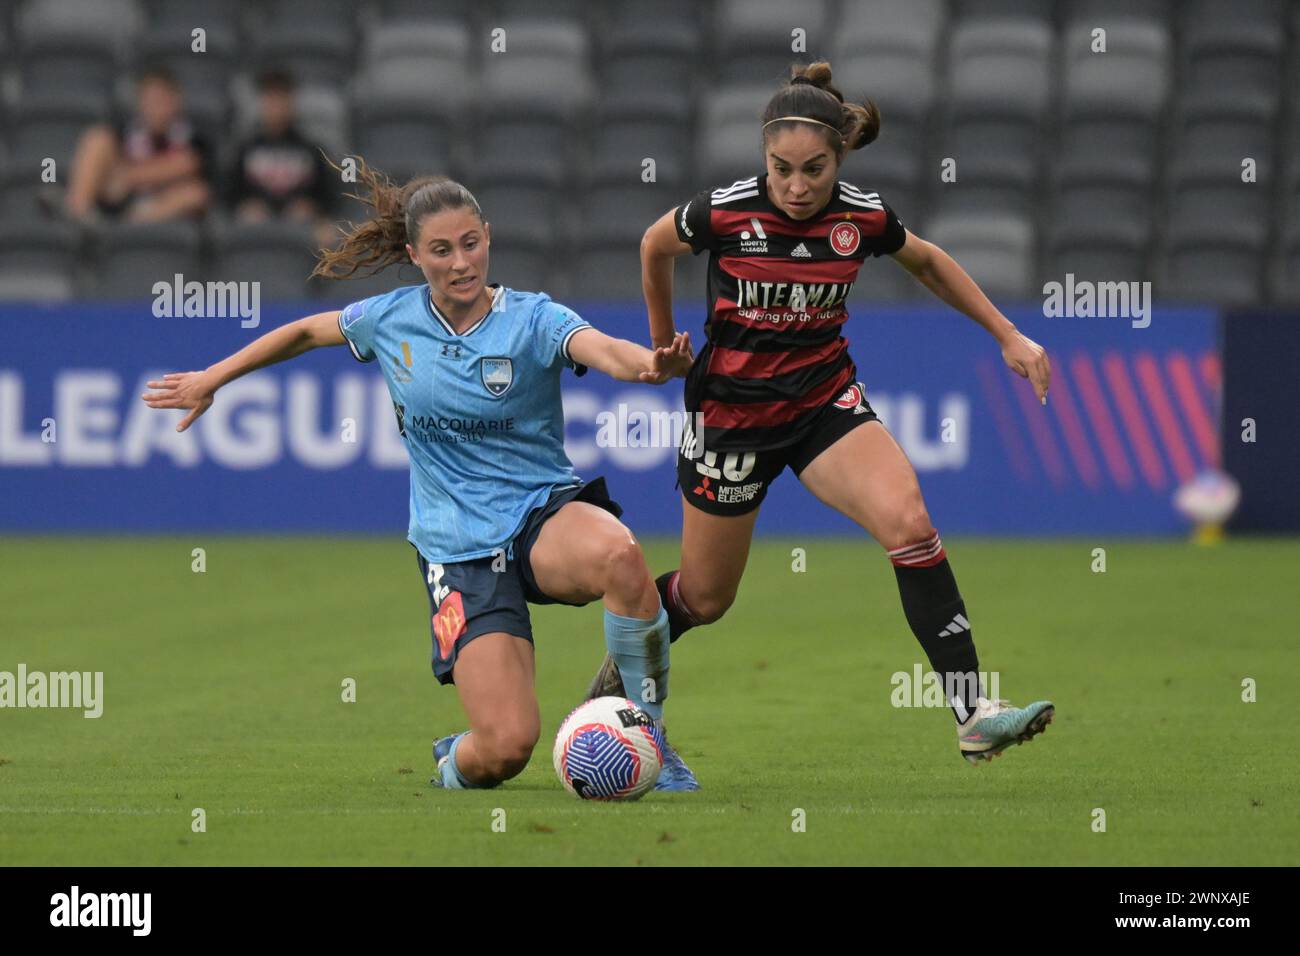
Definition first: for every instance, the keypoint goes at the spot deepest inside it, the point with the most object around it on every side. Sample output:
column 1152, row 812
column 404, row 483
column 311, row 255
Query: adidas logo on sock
column 955, row 626
column 801, row 251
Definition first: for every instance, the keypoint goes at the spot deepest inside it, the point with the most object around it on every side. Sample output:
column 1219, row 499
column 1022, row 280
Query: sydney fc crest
column 497, row 373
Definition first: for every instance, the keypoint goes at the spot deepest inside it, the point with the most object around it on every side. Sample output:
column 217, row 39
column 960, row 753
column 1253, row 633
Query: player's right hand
column 192, row 390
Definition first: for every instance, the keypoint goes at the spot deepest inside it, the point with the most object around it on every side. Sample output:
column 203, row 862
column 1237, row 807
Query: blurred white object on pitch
column 1208, row 500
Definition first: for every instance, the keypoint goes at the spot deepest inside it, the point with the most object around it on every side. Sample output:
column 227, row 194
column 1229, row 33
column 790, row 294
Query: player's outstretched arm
column 940, row 273
column 629, row 362
column 195, row 390
column 659, row 247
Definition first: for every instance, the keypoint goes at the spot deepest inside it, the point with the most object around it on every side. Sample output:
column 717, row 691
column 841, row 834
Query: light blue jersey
column 480, row 412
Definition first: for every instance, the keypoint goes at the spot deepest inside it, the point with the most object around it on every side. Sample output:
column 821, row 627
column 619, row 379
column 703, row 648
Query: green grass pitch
column 223, row 692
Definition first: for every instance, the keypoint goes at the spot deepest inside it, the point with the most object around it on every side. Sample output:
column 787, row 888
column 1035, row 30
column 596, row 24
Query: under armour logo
column 452, row 350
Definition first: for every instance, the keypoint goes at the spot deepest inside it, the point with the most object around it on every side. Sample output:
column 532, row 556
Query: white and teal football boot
column 996, row 725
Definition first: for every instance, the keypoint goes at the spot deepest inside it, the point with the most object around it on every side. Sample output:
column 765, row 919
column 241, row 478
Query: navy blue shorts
column 470, row 598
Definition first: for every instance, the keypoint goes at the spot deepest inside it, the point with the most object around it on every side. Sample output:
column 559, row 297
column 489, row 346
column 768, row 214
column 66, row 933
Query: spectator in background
column 278, row 172
column 148, row 167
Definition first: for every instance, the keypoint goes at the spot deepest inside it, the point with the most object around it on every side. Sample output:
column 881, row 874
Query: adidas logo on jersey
column 955, row 626
column 801, row 251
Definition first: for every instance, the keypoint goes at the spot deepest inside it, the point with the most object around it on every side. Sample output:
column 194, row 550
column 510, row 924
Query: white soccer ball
column 1209, row 498
column 608, row 749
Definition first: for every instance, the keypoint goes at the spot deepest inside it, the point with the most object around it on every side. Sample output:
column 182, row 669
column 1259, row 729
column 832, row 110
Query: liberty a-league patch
column 498, row 374
column 353, row 312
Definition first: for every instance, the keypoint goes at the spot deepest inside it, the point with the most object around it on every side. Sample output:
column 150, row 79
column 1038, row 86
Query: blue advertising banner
column 312, row 444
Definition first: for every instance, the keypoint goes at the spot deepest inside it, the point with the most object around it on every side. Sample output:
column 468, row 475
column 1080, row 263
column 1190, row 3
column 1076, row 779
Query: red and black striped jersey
column 774, row 354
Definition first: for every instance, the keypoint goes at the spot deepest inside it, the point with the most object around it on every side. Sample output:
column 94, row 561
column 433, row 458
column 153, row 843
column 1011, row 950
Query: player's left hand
column 671, row 361
column 1028, row 359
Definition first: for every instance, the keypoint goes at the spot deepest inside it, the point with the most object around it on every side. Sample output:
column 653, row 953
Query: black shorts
column 730, row 484
column 471, row 598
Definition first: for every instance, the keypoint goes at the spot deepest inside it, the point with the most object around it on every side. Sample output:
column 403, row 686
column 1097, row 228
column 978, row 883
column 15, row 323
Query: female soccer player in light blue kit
column 497, row 516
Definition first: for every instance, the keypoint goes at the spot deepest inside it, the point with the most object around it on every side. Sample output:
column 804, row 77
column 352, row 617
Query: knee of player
column 911, row 526
column 624, row 568
column 506, row 753
column 707, row 608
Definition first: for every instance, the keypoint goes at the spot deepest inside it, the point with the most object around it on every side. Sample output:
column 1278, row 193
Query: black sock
column 680, row 620
column 937, row 616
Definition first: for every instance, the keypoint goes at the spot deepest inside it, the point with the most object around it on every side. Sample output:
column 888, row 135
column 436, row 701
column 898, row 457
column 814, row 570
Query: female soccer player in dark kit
column 775, row 386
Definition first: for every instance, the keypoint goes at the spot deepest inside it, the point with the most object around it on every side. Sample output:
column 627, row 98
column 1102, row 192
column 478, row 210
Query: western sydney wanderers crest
column 845, row 238
column 497, row 373
column 852, row 398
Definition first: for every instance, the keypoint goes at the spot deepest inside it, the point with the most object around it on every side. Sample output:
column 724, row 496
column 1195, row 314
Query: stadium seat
column 998, row 94
column 970, row 10
column 1000, row 67
column 411, row 11
column 52, row 65
column 997, row 250
column 883, row 280
column 528, row 267
column 38, row 260
column 639, row 41
column 897, row 73
column 620, row 215
column 441, row 41
column 602, row 272
column 1211, row 143
column 129, row 258
column 1207, row 268
column 752, row 38
column 545, row 69
column 1101, row 207
column 50, row 126
column 407, row 78
column 1130, row 79
column 113, row 23
column 515, row 145
column 335, row 16
column 862, row 17
column 899, row 154
column 520, row 213
column 1095, row 255
column 188, row 14
column 1232, row 53
column 211, row 72
column 1227, row 209
column 1077, row 11
column 690, row 278
column 552, row 11
column 312, row 52
column 1284, row 286
column 406, row 139
column 19, row 188
column 1114, row 148
column 629, row 128
column 730, row 138
column 279, row 255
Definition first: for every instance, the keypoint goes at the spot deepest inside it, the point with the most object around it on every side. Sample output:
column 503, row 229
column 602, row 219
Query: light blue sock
column 452, row 778
column 640, row 649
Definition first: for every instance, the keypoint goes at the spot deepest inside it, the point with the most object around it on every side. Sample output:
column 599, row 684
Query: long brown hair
column 381, row 240
column 809, row 93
